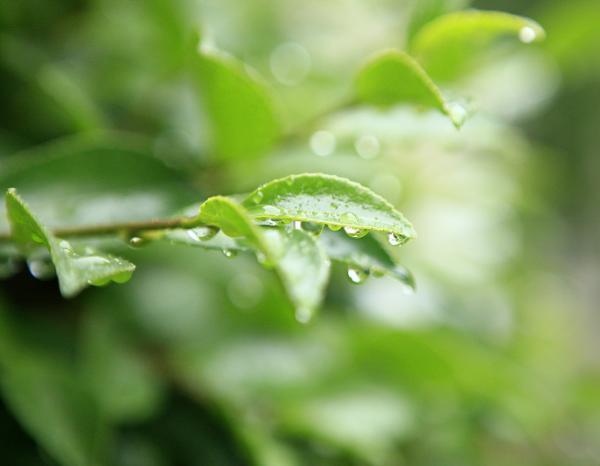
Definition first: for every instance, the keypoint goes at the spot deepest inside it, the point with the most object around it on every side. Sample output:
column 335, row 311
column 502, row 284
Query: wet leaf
column 364, row 254
column 326, row 199
column 394, row 77
column 240, row 109
column 76, row 268
column 447, row 45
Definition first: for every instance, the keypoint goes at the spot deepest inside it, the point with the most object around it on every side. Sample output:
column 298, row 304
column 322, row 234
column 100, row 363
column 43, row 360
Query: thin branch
column 125, row 228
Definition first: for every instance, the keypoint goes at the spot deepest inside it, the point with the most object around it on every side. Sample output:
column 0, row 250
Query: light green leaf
column 446, row 45
column 393, row 77
column 330, row 200
column 296, row 257
column 76, row 268
column 242, row 113
column 365, row 254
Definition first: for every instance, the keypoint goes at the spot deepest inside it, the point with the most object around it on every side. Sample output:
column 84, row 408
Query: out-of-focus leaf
column 575, row 37
column 330, row 200
column 393, row 77
column 241, row 112
column 365, row 254
column 423, row 11
column 446, row 45
column 47, row 398
column 75, row 268
column 135, row 391
column 106, row 177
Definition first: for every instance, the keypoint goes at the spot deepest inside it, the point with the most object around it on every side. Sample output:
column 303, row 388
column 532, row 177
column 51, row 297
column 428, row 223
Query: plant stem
column 125, row 228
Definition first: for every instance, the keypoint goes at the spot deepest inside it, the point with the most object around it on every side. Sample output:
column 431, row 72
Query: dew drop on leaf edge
column 357, row 275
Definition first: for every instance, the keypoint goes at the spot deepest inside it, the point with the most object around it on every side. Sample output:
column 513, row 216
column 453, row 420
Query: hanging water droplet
column 229, row 253
column 42, row 269
column 202, row 233
column 334, row 227
column 303, row 315
column 136, row 241
column 367, row 146
column 527, row 35
column 322, row 143
column 296, row 225
column 357, row 275
column 396, row 240
column 354, row 232
column 313, row 228
column 458, row 113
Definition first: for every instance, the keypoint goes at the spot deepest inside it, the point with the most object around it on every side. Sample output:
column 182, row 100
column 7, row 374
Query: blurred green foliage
column 110, row 114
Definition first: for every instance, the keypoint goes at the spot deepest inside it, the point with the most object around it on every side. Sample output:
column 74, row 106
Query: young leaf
column 392, row 77
column 298, row 260
column 446, row 45
column 365, row 254
column 242, row 113
column 330, row 200
column 75, row 268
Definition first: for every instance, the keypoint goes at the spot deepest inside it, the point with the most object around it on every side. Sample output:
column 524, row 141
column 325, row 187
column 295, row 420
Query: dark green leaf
column 76, row 268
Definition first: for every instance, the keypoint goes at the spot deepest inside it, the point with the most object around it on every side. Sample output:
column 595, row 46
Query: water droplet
column 304, row 315
column 271, row 210
column 313, row 228
column 122, row 277
column 356, row 275
column 136, row 241
column 353, row 232
column 527, row 35
column 348, row 217
column 367, row 146
column 297, row 225
column 322, row 143
column 396, row 240
column 257, row 196
column 202, row 233
column 229, row 253
column 42, row 269
column 334, row 227
column 458, row 113
column 290, row 63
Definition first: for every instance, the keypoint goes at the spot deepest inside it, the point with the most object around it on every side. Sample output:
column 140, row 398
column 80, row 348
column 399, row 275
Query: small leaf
column 446, row 45
column 76, row 268
column 393, row 77
column 330, row 200
column 364, row 254
column 298, row 260
column 242, row 113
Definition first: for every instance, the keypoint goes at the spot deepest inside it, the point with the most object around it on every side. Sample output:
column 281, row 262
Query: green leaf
column 298, row 260
column 393, row 77
column 76, row 268
column 242, row 113
column 330, row 200
column 47, row 397
column 447, row 45
column 94, row 178
column 365, row 254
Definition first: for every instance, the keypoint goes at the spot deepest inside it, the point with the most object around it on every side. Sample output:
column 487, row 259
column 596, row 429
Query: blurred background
column 198, row 360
